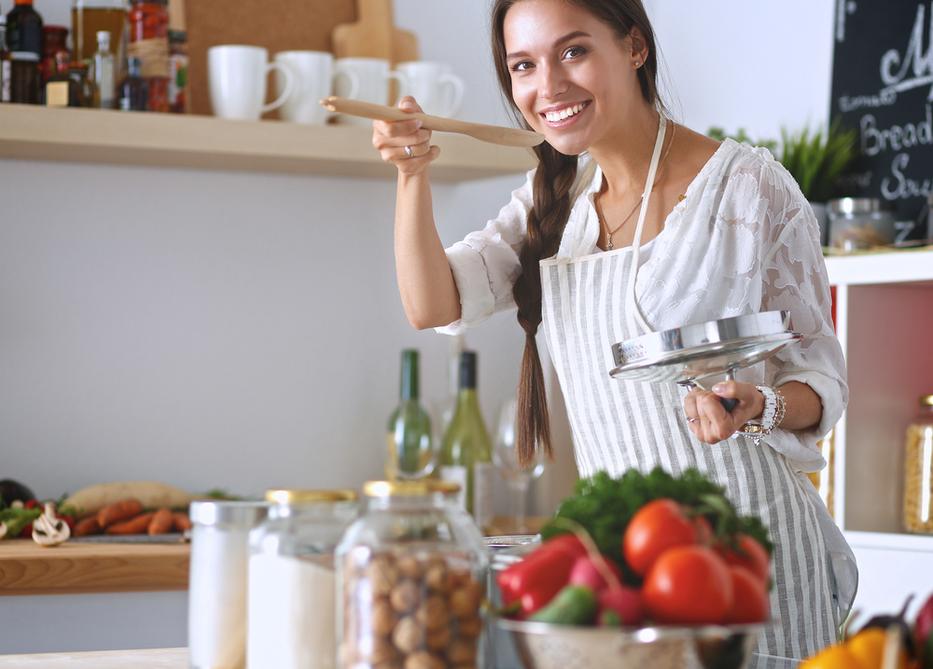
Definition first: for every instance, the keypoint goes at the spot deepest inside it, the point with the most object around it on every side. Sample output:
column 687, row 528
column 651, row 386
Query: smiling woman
column 632, row 223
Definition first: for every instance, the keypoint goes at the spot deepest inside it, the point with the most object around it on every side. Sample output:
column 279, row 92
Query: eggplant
column 886, row 621
column 11, row 490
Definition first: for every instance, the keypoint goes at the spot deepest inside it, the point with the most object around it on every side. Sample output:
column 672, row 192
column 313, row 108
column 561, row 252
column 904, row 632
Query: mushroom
column 50, row 530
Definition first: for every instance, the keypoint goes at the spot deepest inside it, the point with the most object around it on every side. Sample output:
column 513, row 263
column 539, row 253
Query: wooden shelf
column 203, row 142
column 156, row 658
column 29, row 569
column 902, row 266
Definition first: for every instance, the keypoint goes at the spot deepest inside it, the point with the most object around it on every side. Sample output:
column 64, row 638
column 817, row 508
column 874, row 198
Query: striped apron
column 617, row 425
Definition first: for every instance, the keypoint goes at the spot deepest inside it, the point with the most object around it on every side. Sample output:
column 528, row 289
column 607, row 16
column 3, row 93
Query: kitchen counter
column 177, row 658
column 71, row 568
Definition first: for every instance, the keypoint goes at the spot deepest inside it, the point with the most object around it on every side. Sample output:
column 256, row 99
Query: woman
column 721, row 230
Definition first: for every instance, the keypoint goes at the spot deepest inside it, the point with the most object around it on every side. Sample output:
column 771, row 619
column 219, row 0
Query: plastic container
column 217, row 581
column 411, row 579
column 292, row 582
column 918, row 470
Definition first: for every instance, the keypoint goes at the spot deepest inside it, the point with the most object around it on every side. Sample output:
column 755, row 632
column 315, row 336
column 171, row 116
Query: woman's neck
column 625, row 154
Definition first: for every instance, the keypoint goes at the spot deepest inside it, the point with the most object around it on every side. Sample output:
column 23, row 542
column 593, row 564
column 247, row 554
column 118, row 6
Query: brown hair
column 552, row 184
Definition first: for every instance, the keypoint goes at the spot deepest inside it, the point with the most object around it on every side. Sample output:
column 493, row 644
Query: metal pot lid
column 701, row 350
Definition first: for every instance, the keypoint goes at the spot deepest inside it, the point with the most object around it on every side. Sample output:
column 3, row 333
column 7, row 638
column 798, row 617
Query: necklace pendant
column 609, row 244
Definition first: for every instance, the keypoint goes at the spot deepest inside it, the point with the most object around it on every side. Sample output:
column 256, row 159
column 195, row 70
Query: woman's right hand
column 391, row 138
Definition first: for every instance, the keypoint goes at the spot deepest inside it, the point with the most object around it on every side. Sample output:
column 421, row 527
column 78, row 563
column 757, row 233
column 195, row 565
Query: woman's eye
column 574, row 52
column 521, row 66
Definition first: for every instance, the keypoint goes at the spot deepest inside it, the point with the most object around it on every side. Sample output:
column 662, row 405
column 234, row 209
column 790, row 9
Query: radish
column 620, row 606
column 585, row 572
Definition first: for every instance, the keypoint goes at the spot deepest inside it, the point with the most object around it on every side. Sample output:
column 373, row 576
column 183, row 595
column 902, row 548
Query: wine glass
column 517, row 476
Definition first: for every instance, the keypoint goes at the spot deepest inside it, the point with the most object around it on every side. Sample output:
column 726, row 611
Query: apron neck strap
column 642, row 214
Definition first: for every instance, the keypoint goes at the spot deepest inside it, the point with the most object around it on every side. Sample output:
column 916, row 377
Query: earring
column 637, row 64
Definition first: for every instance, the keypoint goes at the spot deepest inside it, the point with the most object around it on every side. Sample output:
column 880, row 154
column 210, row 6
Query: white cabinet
column 884, row 320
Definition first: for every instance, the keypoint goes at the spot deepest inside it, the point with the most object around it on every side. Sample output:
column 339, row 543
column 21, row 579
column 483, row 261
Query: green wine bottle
column 466, row 452
column 408, row 437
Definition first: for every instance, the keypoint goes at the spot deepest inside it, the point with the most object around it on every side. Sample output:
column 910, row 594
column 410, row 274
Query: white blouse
column 744, row 240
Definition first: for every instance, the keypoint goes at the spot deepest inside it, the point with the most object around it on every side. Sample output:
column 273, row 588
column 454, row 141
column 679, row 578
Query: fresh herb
column 16, row 519
column 604, row 506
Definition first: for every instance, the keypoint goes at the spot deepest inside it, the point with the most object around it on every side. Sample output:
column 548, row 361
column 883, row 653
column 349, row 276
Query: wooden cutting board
column 374, row 35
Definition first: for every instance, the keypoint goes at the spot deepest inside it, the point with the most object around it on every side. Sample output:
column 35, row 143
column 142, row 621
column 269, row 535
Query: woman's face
column 573, row 78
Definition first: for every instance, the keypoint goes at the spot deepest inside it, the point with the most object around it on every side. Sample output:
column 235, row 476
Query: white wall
column 240, row 330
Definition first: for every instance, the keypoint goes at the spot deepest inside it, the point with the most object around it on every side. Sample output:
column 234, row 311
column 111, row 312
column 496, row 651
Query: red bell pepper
column 535, row 580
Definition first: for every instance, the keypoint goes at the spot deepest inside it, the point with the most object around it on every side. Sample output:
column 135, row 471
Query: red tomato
column 688, row 585
column 704, row 531
column 750, row 554
column 749, row 597
column 655, row 528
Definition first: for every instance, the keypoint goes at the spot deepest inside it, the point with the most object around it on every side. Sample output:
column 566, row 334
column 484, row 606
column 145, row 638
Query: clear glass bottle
column 410, row 581
column 292, row 582
column 918, row 470
column 103, row 72
column 410, row 451
column 466, row 452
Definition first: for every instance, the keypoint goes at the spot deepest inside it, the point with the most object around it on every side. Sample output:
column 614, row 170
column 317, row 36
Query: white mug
column 372, row 75
column 237, row 77
column 438, row 90
column 313, row 75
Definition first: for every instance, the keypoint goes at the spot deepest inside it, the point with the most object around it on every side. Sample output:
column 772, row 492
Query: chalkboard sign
column 883, row 87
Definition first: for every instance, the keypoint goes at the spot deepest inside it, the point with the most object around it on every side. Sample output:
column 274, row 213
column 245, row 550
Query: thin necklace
column 625, row 220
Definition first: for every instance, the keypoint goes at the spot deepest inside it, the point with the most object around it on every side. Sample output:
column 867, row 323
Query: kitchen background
column 241, row 330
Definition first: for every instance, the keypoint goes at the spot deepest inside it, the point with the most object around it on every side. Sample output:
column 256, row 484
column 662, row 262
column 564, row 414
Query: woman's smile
column 561, row 116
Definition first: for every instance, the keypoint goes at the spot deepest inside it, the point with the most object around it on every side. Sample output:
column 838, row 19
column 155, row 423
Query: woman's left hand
column 708, row 419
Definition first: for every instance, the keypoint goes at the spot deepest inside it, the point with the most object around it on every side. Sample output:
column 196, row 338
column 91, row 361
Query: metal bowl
column 546, row 646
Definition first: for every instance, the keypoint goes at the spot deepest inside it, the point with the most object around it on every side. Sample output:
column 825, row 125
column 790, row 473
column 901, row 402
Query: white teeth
column 555, row 116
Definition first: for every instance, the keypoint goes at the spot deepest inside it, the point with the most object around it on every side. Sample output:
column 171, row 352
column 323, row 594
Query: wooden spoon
column 488, row 133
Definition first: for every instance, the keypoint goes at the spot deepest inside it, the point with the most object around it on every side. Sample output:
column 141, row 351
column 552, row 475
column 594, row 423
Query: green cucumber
column 574, row 605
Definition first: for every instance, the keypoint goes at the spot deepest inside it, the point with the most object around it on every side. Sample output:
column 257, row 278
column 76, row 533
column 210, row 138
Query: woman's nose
column 554, row 82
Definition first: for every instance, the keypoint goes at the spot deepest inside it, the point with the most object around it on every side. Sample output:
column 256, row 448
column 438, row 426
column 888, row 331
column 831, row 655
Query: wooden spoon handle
column 488, row 133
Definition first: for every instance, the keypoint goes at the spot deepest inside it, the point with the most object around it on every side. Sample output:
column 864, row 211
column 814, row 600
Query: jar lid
column 216, row 512
column 855, row 205
column 926, row 400
column 397, row 488
column 298, row 496
column 444, row 487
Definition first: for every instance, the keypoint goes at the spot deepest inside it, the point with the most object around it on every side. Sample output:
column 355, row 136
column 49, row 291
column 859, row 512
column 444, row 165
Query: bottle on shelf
column 81, row 91
column 24, row 29
column 466, row 452
column 103, row 72
column 148, row 21
column 4, row 62
column 88, row 17
column 57, row 87
column 55, row 42
column 177, row 58
column 918, row 470
column 25, row 85
column 133, row 90
column 410, row 453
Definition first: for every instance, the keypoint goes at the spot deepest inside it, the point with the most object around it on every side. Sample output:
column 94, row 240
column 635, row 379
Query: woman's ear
column 639, row 46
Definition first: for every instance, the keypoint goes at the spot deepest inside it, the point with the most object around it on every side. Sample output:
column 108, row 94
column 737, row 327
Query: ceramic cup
column 372, row 75
column 237, row 81
column 314, row 76
column 438, row 90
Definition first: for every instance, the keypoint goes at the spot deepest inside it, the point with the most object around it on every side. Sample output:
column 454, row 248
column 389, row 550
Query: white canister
column 217, row 582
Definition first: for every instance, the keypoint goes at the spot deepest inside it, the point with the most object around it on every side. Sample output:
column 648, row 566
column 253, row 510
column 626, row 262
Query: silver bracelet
column 771, row 416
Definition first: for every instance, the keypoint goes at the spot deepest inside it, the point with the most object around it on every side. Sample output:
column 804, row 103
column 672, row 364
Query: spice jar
column 217, row 581
column 411, row 579
column 148, row 21
column 292, row 583
column 918, row 470
column 56, row 38
column 859, row 223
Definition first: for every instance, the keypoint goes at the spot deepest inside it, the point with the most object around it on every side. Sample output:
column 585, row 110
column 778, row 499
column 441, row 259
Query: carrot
column 118, row 511
column 161, row 522
column 137, row 525
column 182, row 522
column 87, row 526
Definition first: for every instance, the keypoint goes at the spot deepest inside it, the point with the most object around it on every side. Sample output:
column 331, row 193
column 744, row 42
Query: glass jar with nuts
column 410, row 577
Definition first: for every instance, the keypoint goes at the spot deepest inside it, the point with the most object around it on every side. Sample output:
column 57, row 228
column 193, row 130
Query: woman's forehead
column 537, row 24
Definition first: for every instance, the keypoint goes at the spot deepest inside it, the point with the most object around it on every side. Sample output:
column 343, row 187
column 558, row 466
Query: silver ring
column 692, row 419
column 409, row 152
